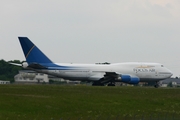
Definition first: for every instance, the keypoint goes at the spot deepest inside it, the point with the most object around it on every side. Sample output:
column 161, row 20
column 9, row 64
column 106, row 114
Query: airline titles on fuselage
column 143, row 70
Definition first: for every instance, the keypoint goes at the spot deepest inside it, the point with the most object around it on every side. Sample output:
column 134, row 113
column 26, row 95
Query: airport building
column 27, row 76
column 4, row 82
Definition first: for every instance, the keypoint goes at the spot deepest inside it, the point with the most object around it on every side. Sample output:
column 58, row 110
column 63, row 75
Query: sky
column 94, row 31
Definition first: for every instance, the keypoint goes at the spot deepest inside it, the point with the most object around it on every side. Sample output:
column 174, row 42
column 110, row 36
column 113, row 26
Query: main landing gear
column 97, row 84
column 102, row 84
column 111, row 83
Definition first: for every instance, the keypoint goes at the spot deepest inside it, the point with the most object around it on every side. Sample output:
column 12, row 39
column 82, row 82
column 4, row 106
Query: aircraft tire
column 97, row 84
column 111, row 84
column 156, row 86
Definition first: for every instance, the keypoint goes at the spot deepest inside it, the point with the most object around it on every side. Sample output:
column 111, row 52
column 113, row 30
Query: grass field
column 55, row 102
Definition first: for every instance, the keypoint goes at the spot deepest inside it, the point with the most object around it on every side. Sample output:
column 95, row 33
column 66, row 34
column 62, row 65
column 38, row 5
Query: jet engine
column 129, row 79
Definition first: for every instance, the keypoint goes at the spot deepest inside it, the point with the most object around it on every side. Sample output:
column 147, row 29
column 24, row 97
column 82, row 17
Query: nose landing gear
column 156, row 84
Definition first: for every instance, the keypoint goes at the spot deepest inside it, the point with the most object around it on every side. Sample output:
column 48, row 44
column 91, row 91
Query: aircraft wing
column 119, row 77
column 111, row 74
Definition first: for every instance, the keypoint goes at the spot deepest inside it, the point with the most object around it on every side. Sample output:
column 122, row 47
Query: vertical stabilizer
column 32, row 53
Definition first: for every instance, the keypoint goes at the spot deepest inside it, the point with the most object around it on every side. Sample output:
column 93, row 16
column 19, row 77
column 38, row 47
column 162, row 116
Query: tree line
column 8, row 71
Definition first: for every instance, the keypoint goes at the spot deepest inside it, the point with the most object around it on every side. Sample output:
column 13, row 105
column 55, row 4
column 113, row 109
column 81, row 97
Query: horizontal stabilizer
column 16, row 64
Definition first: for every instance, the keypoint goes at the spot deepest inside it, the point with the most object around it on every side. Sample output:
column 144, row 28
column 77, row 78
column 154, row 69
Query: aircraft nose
column 170, row 73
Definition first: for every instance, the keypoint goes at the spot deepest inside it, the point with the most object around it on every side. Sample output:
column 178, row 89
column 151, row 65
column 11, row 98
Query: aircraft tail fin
column 32, row 53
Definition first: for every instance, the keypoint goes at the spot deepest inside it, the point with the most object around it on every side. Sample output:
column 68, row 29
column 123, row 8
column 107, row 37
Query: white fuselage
column 94, row 72
column 99, row 74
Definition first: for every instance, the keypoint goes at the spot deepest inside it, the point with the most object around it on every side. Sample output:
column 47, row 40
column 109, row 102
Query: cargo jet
column 99, row 74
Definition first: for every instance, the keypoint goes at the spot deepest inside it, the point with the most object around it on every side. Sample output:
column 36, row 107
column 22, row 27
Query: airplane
column 99, row 74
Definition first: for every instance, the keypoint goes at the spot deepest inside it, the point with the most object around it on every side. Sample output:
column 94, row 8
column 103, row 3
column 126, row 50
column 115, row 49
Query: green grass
column 46, row 102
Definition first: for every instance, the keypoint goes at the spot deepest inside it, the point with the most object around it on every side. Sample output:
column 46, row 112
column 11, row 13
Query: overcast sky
column 91, row 31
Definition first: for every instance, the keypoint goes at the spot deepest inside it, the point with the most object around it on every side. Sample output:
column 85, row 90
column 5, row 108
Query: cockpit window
column 162, row 65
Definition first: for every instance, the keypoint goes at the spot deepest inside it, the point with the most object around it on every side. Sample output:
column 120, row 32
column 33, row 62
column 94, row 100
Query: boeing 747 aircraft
column 130, row 72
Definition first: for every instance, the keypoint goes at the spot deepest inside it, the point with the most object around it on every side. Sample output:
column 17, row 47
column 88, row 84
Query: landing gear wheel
column 111, row 84
column 156, row 86
column 97, row 84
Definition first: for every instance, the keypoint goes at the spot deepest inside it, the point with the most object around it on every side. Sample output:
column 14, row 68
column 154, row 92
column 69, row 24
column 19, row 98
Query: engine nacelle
column 25, row 65
column 130, row 80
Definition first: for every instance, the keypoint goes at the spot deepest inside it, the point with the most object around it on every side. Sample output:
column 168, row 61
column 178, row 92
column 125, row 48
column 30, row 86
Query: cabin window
column 162, row 66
